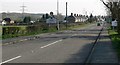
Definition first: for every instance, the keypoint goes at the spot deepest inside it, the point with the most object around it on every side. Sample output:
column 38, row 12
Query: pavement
column 104, row 51
column 71, row 46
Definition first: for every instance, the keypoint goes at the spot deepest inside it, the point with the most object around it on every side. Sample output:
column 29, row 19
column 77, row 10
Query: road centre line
column 74, row 34
column 10, row 59
column 51, row 44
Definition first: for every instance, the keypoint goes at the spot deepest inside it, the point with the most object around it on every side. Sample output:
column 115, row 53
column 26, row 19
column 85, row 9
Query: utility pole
column 23, row 10
column 66, row 14
column 58, row 26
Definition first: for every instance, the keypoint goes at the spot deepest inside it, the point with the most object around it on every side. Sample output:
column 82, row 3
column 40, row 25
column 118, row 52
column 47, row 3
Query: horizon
column 39, row 6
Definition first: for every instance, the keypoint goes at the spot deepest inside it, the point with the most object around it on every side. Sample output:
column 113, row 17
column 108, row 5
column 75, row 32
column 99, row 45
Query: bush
column 13, row 31
column 27, row 19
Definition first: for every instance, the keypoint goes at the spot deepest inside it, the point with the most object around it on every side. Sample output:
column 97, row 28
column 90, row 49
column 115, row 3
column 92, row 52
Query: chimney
column 71, row 14
column 74, row 14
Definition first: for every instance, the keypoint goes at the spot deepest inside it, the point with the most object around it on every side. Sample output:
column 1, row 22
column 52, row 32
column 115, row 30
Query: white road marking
column 74, row 34
column 10, row 59
column 21, row 40
column 32, row 51
column 51, row 44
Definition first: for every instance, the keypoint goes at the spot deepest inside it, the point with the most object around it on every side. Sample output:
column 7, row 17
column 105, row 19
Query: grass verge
column 115, row 40
column 50, row 30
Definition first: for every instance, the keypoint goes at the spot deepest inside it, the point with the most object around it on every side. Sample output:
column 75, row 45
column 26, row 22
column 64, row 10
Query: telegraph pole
column 66, row 14
column 58, row 26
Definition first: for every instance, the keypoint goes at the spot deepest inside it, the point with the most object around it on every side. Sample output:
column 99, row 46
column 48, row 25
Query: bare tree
column 114, row 8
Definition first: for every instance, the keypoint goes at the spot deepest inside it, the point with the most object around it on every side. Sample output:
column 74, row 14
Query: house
column 71, row 18
column 76, row 18
column 4, row 22
column 7, row 20
column 79, row 18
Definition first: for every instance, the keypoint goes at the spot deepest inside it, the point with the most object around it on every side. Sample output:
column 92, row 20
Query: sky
column 84, row 7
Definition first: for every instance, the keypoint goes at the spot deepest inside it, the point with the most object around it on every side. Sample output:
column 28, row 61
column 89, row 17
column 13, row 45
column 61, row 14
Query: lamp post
column 58, row 26
column 66, row 14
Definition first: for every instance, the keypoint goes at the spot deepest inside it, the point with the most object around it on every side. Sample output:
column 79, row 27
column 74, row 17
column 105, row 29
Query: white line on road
column 10, row 60
column 74, row 34
column 51, row 43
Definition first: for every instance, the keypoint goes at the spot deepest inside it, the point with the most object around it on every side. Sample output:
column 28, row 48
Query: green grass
column 0, row 32
column 11, row 35
column 14, row 26
column 40, row 32
column 115, row 40
column 77, row 26
column 27, row 34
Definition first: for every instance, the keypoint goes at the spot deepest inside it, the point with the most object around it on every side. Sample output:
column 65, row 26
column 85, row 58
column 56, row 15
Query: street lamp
column 66, row 14
column 58, row 26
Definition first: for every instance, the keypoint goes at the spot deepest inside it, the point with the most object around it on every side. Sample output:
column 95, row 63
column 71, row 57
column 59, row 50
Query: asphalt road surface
column 70, row 46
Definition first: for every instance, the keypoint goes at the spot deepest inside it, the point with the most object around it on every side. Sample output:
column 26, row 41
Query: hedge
column 15, row 31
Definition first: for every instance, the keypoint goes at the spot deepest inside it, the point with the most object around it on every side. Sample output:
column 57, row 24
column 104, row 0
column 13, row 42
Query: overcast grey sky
column 45, row 6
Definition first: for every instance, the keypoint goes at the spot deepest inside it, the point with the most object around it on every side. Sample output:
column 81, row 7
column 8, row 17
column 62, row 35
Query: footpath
column 104, row 52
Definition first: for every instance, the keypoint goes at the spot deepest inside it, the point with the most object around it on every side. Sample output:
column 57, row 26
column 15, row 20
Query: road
column 70, row 46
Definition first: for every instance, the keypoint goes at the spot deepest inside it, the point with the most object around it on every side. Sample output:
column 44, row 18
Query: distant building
column 32, row 21
column 71, row 18
column 7, row 20
column 4, row 22
column 83, row 18
column 76, row 18
column 11, row 22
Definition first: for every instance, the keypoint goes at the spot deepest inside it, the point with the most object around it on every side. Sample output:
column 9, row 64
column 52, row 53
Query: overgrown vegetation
column 15, row 31
column 113, row 7
column 115, row 37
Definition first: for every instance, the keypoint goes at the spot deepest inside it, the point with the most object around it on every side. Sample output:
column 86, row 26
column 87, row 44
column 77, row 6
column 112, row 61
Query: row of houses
column 77, row 18
column 71, row 19
column 8, row 21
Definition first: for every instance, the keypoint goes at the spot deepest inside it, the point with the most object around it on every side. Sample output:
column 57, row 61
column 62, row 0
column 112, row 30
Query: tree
column 27, row 19
column 91, row 18
column 43, row 19
column 114, row 8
